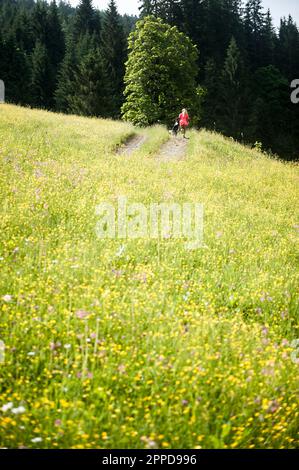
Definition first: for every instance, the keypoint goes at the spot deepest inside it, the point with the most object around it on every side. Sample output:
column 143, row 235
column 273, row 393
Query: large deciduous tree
column 161, row 74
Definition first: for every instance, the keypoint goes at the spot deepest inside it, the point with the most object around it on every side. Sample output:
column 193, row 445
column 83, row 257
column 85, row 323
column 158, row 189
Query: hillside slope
column 143, row 343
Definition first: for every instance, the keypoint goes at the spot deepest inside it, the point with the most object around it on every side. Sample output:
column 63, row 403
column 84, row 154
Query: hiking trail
column 129, row 146
column 173, row 150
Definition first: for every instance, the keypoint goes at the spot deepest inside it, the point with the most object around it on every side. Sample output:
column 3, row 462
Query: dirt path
column 173, row 150
column 132, row 144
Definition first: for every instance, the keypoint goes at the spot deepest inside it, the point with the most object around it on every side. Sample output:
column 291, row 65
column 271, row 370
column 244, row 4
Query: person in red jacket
column 184, row 121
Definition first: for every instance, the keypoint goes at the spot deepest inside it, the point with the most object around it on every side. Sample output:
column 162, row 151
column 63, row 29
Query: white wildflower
column 7, row 406
column 18, row 410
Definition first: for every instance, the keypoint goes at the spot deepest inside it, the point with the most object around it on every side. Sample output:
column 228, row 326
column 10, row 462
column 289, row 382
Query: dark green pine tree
column 41, row 77
column 211, row 24
column 55, row 43
column 128, row 23
column 81, row 44
column 270, row 113
column 65, row 79
column 92, row 93
column 55, row 37
column 66, row 12
column 39, row 22
column 214, row 34
column 211, row 99
column 254, row 23
column 192, row 13
column 86, row 20
column 150, row 7
column 114, row 52
column 232, row 93
column 22, row 28
column 232, row 22
column 169, row 10
column 268, row 40
column 14, row 70
column 288, row 48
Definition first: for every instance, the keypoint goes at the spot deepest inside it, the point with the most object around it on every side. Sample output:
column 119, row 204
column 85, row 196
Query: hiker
column 184, row 121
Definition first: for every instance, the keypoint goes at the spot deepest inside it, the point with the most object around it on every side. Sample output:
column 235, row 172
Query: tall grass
column 142, row 343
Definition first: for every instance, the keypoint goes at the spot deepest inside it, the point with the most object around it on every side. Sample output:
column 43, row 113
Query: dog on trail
column 176, row 127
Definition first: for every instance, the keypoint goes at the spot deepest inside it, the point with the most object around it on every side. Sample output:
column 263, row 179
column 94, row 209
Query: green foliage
column 65, row 86
column 86, row 20
column 288, row 49
column 14, row 70
column 232, row 96
column 211, row 104
column 114, row 52
column 39, row 21
column 41, row 76
column 271, row 100
column 55, row 37
column 160, row 75
column 230, row 106
column 91, row 92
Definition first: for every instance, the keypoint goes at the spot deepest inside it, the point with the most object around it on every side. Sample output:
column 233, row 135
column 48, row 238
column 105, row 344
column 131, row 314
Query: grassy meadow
column 142, row 343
